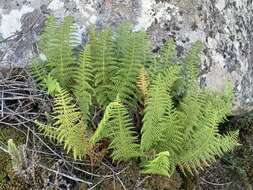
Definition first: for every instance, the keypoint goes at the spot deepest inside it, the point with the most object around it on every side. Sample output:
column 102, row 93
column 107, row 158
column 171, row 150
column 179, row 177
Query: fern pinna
column 117, row 75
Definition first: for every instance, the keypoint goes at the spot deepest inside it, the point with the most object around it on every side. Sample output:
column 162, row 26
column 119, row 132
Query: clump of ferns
column 117, row 73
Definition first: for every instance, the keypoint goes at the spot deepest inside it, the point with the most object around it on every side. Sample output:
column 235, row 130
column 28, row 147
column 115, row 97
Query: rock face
column 225, row 28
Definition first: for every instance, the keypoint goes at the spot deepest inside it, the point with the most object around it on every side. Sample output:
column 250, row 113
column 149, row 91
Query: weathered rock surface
column 225, row 27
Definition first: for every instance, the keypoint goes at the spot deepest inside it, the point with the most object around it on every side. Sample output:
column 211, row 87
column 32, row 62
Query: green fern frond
column 122, row 37
column 191, row 61
column 102, row 130
column 61, row 60
column 161, row 165
column 52, row 85
column 117, row 126
column 48, row 130
column 124, row 140
column 104, row 68
column 48, row 38
column 167, row 57
column 168, row 54
column 204, row 147
column 84, row 76
column 159, row 106
column 39, row 72
column 130, row 64
column 68, row 127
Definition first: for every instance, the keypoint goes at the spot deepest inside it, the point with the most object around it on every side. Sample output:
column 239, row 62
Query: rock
column 225, row 28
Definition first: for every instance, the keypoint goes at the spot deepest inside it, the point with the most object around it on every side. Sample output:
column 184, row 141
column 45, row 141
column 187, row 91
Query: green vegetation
column 117, row 74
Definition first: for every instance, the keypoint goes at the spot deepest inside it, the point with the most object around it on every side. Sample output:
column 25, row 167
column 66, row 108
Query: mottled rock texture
column 224, row 26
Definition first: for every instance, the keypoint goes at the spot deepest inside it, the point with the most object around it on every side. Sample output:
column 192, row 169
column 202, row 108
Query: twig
column 216, row 184
column 64, row 175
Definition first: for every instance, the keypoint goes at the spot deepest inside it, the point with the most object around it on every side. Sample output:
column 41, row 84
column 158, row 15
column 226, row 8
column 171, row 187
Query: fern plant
column 117, row 74
column 67, row 126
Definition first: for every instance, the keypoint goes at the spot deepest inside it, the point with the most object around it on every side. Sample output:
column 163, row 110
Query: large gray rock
column 224, row 26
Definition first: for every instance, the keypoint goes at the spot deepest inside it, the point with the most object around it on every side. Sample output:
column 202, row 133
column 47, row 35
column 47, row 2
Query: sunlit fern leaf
column 68, row 127
column 48, row 130
column 74, row 140
column 52, row 85
column 84, row 76
column 161, row 165
column 104, row 67
column 103, row 130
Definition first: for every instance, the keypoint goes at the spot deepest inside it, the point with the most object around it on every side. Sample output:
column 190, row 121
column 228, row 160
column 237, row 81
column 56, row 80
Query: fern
column 61, row 59
column 114, row 71
column 160, row 165
column 84, row 78
column 67, row 127
column 158, row 104
column 105, row 67
column 39, row 72
column 48, row 38
column 143, row 83
column 117, row 126
column 166, row 57
column 124, row 140
column 130, row 64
